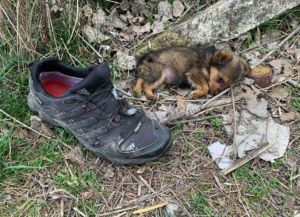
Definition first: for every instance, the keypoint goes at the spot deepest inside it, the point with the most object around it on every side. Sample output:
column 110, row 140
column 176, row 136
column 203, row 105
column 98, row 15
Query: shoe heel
column 34, row 106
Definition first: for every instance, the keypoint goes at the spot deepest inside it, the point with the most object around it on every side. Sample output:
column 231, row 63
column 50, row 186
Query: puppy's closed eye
column 220, row 80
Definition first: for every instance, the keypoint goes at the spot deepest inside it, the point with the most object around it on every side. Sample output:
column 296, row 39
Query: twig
column 194, row 120
column 293, row 83
column 280, row 44
column 247, row 158
column 295, row 177
column 81, row 213
column 117, row 211
column 41, row 134
column 148, row 209
column 234, row 121
column 98, row 54
column 215, row 97
column 251, row 48
column 76, row 21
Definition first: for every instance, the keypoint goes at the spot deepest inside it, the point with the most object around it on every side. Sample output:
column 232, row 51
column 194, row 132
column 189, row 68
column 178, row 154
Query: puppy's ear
column 246, row 67
column 223, row 57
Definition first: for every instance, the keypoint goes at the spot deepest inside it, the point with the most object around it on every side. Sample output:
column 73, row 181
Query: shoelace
column 123, row 108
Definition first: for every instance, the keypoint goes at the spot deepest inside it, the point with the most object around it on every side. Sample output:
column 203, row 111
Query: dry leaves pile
column 119, row 29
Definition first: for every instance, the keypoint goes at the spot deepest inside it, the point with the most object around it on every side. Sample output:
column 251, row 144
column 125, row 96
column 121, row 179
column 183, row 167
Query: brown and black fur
column 205, row 69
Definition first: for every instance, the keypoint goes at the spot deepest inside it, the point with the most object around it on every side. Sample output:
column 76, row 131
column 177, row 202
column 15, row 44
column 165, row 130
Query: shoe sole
column 36, row 108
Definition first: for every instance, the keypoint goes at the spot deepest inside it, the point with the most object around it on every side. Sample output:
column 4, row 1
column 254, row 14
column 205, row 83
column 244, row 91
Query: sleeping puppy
column 204, row 68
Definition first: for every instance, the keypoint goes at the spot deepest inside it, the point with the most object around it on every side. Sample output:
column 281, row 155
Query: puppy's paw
column 151, row 97
column 136, row 94
column 194, row 95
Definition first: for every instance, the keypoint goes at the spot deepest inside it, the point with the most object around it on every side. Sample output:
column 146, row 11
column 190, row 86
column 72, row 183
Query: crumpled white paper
column 217, row 150
column 252, row 129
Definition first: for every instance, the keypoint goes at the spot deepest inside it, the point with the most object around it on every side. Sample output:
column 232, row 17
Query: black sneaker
column 84, row 102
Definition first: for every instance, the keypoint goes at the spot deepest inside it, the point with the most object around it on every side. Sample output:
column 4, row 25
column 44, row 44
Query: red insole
column 56, row 88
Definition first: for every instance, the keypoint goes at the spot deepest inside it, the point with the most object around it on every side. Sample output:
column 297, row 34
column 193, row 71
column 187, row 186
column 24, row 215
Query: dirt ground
column 57, row 177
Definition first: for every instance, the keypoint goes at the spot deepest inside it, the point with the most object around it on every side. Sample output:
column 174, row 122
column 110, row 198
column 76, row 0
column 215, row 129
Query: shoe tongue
column 99, row 77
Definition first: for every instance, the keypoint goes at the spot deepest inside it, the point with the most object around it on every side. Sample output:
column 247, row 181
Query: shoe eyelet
column 71, row 121
column 117, row 118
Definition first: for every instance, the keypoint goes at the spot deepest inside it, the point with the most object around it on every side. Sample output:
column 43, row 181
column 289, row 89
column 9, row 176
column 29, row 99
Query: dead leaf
column 129, row 16
column 6, row 197
column 127, row 34
column 172, row 208
column 163, row 108
column 136, row 28
column 272, row 45
column 257, row 106
column 38, row 125
column 181, row 105
column 159, row 115
column 141, row 170
column 87, row 195
column 99, row 18
column 56, row 9
column 145, row 28
column 77, row 157
column 124, row 6
column 22, row 133
column 178, row 8
column 253, row 57
column 271, row 36
column 88, row 11
column 292, row 165
column 125, row 62
column 289, row 204
column 157, row 27
column 165, row 9
column 279, row 93
column 94, row 34
column 4, row 130
column 117, row 22
column 109, row 173
column 295, row 52
column 278, row 64
column 138, row 20
column 291, row 116
column 192, row 109
column 247, row 89
column 139, row 7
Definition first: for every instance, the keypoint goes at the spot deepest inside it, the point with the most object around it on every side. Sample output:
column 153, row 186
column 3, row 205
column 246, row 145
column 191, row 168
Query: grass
column 41, row 181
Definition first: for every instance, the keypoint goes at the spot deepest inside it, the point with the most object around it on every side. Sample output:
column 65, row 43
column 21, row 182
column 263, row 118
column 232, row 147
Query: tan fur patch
column 138, row 87
column 160, row 81
column 148, row 91
column 214, row 86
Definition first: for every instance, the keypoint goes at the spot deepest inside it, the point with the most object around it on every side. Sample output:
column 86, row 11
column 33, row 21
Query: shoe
column 84, row 102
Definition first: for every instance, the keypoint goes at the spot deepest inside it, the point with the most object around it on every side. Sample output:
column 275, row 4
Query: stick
column 194, row 120
column 251, row 48
column 117, row 211
column 234, row 121
column 76, row 21
column 148, row 209
column 29, row 128
column 215, row 97
column 295, row 177
column 246, row 158
column 280, row 44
